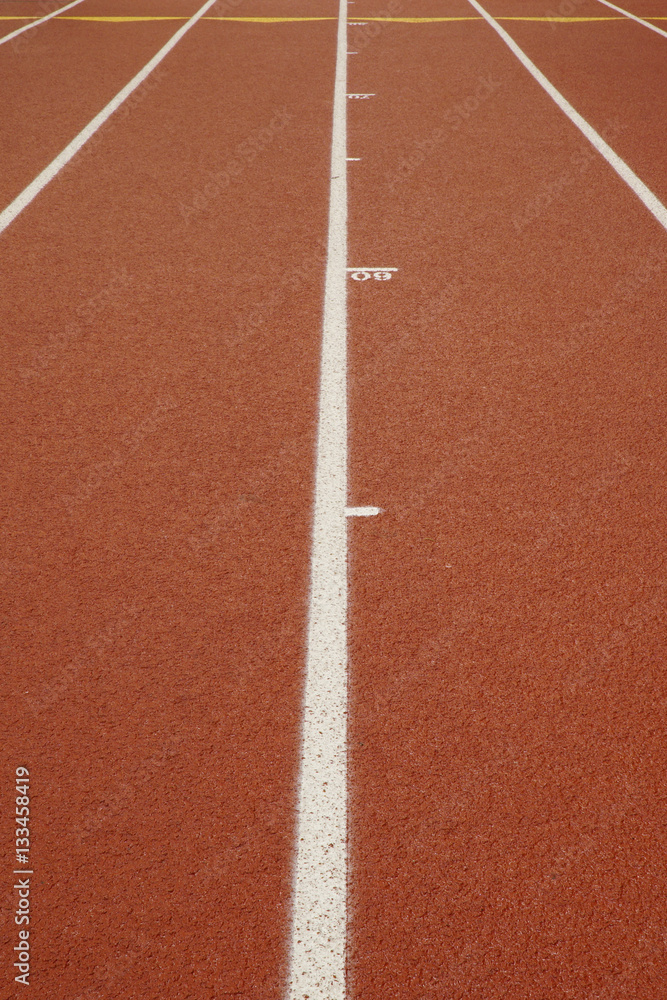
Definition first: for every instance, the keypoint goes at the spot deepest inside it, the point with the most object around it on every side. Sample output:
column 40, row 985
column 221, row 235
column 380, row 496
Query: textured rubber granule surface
column 507, row 400
column 161, row 320
column 159, row 433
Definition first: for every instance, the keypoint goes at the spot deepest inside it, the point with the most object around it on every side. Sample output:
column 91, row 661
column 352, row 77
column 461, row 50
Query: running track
column 195, row 388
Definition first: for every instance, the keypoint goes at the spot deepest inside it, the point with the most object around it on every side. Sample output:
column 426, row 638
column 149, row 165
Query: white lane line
column 55, row 166
column 319, row 915
column 362, row 511
column 654, row 205
column 351, row 158
column 639, row 20
column 33, row 24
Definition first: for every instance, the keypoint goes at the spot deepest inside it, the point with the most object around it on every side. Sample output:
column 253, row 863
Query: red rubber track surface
column 507, row 652
column 614, row 74
column 649, row 10
column 161, row 334
column 158, row 446
column 85, row 64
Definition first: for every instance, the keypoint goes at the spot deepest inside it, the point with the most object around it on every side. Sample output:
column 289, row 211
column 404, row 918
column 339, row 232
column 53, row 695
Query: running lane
column 24, row 16
column 59, row 75
column 162, row 338
column 613, row 72
column 649, row 10
column 507, row 717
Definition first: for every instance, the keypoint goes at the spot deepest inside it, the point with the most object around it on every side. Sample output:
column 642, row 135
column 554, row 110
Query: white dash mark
column 351, row 158
column 362, row 511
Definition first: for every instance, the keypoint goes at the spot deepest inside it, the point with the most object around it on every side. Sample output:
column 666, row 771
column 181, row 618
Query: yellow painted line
column 260, row 20
column 420, row 20
column 476, row 17
column 269, row 20
column 279, row 20
column 117, row 20
column 388, row 20
column 565, row 20
column 430, row 20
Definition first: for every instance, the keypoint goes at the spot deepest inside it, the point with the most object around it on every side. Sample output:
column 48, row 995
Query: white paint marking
column 654, row 205
column 634, row 17
column 33, row 24
column 319, row 917
column 55, row 166
column 361, row 97
column 351, row 158
column 362, row 511
column 357, row 22
column 364, row 273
